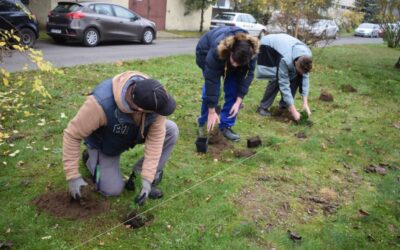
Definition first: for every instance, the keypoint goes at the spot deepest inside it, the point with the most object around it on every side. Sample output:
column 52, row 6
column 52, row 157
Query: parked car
column 14, row 15
column 367, row 30
column 93, row 22
column 324, row 28
column 242, row 20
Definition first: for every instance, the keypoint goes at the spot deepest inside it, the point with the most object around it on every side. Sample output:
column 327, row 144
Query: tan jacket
column 91, row 116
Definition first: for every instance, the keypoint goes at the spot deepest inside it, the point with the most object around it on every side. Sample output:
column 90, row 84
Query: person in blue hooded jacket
column 228, row 53
column 285, row 61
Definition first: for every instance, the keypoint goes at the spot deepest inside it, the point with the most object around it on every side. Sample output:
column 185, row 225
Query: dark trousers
column 231, row 90
column 273, row 88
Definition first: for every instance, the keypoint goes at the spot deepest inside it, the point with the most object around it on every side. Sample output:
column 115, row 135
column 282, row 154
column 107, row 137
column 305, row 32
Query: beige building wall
column 42, row 7
column 176, row 20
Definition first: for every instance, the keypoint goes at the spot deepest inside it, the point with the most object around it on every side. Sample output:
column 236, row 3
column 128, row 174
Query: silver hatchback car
column 93, row 22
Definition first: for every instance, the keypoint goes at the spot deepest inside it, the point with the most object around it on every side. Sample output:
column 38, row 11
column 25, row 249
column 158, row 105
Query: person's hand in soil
column 295, row 114
column 75, row 187
column 212, row 119
column 235, row 108
column 144, row 192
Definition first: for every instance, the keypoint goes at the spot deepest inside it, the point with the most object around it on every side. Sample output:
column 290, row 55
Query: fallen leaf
column 363, row 212
column 208, row 198
column 45, row 149
column 63, row 116
column 8, row 230
column 396, row 124
column 14, row 153
column 46, row 237
column 294, row 236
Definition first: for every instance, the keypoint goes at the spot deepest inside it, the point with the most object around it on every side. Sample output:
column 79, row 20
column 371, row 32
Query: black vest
column 121, row 131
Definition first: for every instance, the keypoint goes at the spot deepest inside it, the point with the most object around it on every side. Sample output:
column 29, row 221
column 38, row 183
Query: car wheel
column 91, row 37
column 147, row 36
column 27, row 36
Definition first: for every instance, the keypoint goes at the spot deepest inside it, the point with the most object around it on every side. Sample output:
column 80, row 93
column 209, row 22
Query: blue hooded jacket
column 212, row 56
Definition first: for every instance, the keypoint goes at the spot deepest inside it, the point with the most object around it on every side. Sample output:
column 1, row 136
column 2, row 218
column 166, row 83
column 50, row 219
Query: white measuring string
column 171, row 198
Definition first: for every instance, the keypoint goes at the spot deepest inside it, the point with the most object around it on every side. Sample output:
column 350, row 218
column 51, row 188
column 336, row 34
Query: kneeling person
column 120, row 113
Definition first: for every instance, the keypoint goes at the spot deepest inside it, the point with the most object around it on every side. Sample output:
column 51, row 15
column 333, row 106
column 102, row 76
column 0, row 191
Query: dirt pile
column 325, row 96
column 347, row 88
column 218, row 144
column 61, row 205
column 243, row 153
column 281, row 114
column 136, row 220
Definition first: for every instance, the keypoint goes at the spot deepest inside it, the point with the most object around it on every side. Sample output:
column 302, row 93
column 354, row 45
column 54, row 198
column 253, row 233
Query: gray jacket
column 276, row 62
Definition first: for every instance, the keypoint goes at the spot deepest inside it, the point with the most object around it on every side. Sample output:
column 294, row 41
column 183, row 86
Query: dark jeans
column 272, row 90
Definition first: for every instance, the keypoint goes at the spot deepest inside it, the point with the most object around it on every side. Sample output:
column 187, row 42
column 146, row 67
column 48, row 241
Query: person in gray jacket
column 285, row 61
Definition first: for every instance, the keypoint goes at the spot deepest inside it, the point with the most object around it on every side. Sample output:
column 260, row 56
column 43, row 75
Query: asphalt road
column 71, row 54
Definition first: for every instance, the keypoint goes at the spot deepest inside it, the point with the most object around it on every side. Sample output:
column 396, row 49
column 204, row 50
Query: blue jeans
column 230, row 89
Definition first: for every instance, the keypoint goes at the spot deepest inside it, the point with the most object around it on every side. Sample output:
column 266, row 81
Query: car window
column 123, row 13
column 103, row 9
column 366, row 25
column 242, row 18
column 251, row 19
column 7, row 6
column 66, row 7
column 224, row 17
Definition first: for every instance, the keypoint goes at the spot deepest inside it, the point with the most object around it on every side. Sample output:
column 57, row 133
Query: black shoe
column 229, row 134
column 159, row 176
column 263, row 112
column 155, row 193
column 85, row 156
column 130, row 184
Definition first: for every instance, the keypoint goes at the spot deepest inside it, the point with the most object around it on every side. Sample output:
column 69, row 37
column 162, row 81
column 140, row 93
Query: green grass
column 253, row 203
column 43, row 36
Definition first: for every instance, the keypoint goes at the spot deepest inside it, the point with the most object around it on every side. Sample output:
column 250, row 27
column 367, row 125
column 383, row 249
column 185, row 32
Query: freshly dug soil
column 326, row 96
column 136, row 220
column 243, row 153
column 61, row 205
column 347, row 88
column 218, row 144
column 282, row 115
column 301, row 135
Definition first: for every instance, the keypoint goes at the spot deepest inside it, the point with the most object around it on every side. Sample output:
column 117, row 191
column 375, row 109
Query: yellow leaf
column 14, row 153
column 2, row 44
column 27, row 114
column 5, row 81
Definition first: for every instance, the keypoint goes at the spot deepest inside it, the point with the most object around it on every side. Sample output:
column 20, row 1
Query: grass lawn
column 316, row 187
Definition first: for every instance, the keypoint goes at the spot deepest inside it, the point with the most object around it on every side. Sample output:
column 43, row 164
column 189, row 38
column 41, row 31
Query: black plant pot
column 202, row 144
column 253, row 142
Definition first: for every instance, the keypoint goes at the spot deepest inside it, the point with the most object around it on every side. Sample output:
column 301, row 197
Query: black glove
column 144, row 192
column 75, row 187
column 130, row 184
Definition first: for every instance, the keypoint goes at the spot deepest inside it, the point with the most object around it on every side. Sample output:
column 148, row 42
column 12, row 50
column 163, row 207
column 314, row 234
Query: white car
column 325, row 28
column 367, row 30
column 242, row 20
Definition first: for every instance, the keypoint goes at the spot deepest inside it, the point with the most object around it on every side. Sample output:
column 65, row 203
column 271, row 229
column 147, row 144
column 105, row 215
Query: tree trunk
column 202, row 15
column 397, row 65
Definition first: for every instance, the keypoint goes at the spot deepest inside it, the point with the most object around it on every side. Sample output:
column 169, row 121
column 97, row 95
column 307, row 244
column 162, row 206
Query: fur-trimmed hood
column 225, row 45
